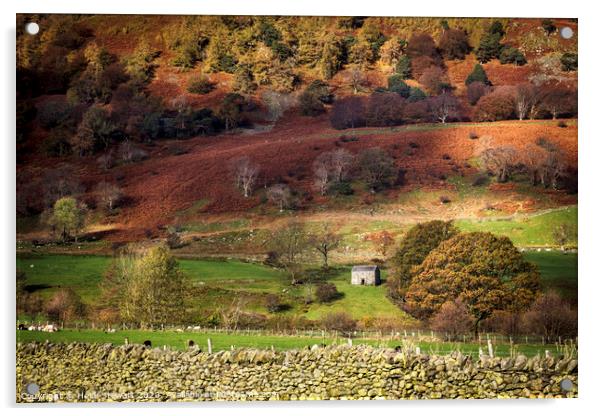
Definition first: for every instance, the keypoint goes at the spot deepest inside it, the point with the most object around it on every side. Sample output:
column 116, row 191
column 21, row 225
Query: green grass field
column 226, row 281
column 223, row 341
column 528, row 231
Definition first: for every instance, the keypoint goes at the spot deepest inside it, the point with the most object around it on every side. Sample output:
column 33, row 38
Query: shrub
column 340, row 321
column 174, row 240
column 200, row 84
column 453, row 318
column 548, row 26
column 562, row 124
column 511, row 55
column 340, row 188
column 444, row 199
column 273, row 303
column 473, row 136
column 327, row 292
column 569, row 61
column 54, row 113
column 480, row 180
column 416, row 94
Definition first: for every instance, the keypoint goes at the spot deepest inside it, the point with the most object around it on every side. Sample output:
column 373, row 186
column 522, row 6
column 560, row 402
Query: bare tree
column 443, row 107
column 332, row 167
column 321, row 178
column 109, row 194
column 280, row 194
column 531, row 159
column 377, row 168
column 277, row 103
column 383, row 242
column 356, row 79
column 562, row 234
column 245, row 174
column 324, row 242
column 290, row 244
column 500, row 161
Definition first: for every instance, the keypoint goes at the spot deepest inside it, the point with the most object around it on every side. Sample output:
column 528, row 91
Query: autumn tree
column 485, row 272
column 497, row 105
column 324, row 241
column 377, row 168
column 413, row 248
column 280, row 195
column 347, row 113
column 422, row 44
column 551, row 317
column 392, row 50
column 434, row 80
column 383, row 241
column 65, row 305
column 245, row 175
column 453, row 319
column 109, row 195
column 67, row 217
column 152, row 289
column 444, row 107
column 384, row 109
column 454, row 44
column 314, row 97
column 558, row 100
column 475, row 91
column 500, row 161
column 95, row 131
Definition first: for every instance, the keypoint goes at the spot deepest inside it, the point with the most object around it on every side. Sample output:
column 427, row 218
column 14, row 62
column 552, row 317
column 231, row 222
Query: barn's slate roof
column 364, row 268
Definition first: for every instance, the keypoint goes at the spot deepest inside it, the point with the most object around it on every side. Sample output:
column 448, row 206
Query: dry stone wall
column 101, row 372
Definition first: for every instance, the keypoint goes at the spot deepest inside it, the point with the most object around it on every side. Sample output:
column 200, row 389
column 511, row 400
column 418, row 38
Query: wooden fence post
column 209, row 348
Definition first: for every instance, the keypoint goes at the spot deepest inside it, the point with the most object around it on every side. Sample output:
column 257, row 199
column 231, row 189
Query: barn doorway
column 363, row 282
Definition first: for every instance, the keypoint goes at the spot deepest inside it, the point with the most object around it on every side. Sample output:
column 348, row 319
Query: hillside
column 184, row 176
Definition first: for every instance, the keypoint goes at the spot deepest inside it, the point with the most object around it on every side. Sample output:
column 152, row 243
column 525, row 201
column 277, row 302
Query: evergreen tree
column 511, row 55
column 395, row 83
column 404, row 67
column 477, row 75
column 489, row 47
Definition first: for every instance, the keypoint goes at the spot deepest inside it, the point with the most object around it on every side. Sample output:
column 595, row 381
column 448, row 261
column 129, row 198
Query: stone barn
column 365, row 275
